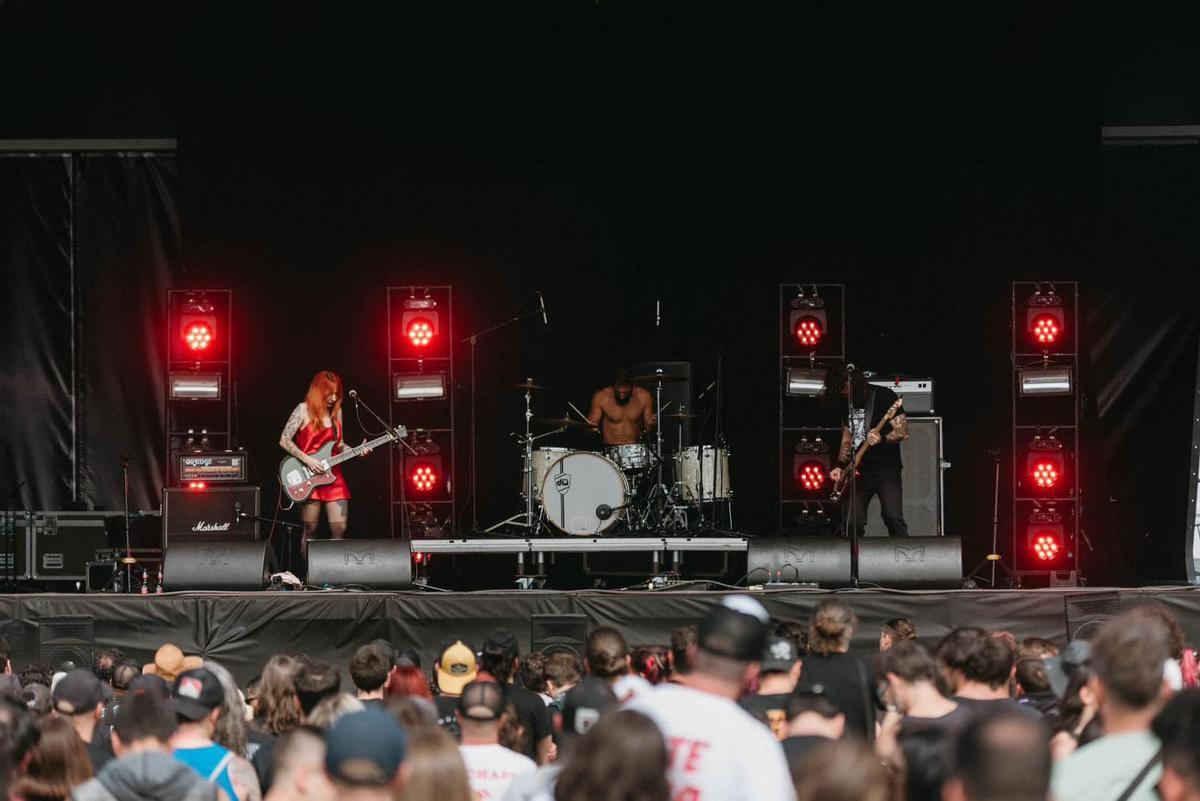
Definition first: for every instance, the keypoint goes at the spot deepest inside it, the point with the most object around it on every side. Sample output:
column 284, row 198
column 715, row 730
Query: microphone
column 604, row 511
column 706, row 389
column 542, row 301
column 657, row 312
column 353, row 393
column 849, row 368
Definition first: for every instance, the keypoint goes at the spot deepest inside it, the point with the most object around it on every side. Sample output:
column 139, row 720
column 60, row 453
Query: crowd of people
column 737, row 706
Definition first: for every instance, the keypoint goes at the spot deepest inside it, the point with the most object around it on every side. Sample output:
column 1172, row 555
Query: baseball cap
column 456, row 668
column 365, row 748
column 779, row 655
column 481, row 700
column 736, row 629
column 196, row 693
column 77, row 692
column 501, row 641
column 584, row 704
column 1060, row 669
column 37, row 698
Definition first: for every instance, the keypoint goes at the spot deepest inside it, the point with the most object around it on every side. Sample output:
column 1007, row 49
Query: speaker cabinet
column 384, row 564
column 820, row 560
column 923, row 504
column 228, row 565
column 911, row 563
column 209, row 514
column 63, row 638
column 552, row 633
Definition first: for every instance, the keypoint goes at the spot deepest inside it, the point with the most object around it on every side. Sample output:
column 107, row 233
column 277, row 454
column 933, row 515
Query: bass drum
column 704, row 474
column 575, row 488
column 542, row 459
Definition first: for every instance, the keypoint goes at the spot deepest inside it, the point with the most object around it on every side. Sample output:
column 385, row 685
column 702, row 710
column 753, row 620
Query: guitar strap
column 869, row 414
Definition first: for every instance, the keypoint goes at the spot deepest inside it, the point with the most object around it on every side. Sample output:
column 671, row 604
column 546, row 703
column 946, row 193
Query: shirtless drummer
column 622, row 411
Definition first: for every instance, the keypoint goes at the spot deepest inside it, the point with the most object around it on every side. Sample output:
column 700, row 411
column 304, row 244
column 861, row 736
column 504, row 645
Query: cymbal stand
column 527, row 519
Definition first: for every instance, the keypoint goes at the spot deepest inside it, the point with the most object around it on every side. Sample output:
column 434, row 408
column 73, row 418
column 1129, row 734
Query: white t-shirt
column 491, row 768
column 718, row 751
column 630, row 687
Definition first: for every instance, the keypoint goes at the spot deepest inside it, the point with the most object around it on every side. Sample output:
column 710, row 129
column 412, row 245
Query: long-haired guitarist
column 880, row 469
column 314, row 423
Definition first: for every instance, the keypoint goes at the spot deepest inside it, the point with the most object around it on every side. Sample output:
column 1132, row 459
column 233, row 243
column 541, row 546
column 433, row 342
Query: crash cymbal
column 654, row 378
column 677, row 416
column 529, row 385
column 560, row 422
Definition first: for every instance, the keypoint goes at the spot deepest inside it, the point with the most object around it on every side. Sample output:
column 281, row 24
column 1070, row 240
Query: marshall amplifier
column 211, row 467
column 210, row 514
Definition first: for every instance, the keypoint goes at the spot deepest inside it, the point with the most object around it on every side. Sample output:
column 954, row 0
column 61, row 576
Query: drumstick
column 582, row 416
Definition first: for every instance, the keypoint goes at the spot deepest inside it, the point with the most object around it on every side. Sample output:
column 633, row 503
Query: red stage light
column 811, row 476
column 1046, row 545
column 1046, row 328
column 809, row 330
column 424, row 477
column 197, row 485
column 420, row 331
column 197, row 336
column 1045, row 474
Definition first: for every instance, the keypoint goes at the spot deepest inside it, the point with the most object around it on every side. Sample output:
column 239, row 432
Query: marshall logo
column 562, row 483
column 204, row 525
column 903, row 554
column 359, row 557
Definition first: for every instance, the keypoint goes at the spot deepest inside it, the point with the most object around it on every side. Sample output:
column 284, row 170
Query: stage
column 242, row 630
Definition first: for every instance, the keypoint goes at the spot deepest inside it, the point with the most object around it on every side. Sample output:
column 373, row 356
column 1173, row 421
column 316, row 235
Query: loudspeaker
column 1087, row 611
column 66, row 637
column 551, row 633
column 820, row 560
column 209, row 514
column 923, row 504
column 911, row 563
column 375, row 564
column 215, row 565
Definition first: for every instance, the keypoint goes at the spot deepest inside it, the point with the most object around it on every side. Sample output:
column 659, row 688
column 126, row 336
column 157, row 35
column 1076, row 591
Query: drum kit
column 638, row 488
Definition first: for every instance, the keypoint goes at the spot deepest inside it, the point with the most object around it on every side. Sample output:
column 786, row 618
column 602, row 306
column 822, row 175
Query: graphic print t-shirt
column 885, row 454
column 491, row 768
column 718, row 751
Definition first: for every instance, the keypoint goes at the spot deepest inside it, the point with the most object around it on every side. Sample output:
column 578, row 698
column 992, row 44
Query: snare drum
column 704, row 474
column 583, row 494
column 630, row 457
column 542, row 459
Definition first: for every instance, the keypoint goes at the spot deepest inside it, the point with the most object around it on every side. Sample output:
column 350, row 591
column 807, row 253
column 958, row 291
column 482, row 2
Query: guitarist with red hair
column 874, row 418
column 314, row 423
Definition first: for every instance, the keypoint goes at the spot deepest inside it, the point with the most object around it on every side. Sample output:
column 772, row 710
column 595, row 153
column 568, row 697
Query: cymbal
column 678, row 416
column 528, row 384
column 560, row 422
column 654, row 378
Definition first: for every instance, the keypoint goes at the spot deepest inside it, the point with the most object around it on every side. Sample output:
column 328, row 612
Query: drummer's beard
column 623, row 400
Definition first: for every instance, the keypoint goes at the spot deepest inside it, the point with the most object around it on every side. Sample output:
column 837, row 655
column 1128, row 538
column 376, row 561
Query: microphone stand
column 472, row 339
column 852, row 481
column 128, row 560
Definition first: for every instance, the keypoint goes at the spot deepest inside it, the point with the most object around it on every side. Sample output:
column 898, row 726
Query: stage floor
column 242, row 630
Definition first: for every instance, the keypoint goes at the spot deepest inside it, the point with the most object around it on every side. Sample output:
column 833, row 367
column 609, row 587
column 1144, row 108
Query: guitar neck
column 358, row 450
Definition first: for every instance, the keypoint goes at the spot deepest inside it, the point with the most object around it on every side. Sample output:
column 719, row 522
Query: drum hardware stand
column 993, row 556
column 524, row 519
column 472, row 339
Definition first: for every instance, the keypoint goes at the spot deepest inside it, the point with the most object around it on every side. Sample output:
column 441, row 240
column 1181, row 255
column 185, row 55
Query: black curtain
column 91, row 246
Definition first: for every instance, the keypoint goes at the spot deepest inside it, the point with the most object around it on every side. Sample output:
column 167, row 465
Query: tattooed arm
column 299, row 418
column 899, row 432
column 846, row 450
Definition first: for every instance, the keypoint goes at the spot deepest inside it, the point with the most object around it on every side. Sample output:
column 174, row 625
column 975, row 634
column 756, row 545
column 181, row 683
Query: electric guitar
column 839, row 486
column 299, row 481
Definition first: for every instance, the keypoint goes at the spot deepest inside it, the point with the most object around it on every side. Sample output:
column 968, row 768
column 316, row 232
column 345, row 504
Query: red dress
column 310, row 441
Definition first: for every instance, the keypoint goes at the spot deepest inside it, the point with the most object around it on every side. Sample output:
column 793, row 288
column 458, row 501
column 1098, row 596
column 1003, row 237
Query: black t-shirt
column 262, row 756
column 978, row 707
column 948, row 725
column 846, row 681
column 772, row 708
column 99, row 754
column 446, row 705
column 534, row 716
column 885, row 454
column 796, row 748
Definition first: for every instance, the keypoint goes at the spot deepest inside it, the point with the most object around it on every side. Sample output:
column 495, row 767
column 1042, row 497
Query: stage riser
column 242, row 630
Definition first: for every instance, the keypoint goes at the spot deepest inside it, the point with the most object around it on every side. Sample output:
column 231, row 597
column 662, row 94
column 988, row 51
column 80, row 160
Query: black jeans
column 887, row 485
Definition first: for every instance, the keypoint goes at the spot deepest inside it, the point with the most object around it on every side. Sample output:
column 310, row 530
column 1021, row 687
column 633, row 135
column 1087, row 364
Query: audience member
column 927, row 759
column 315, row 681
column 365, row 757
column 717, row 749
column 563, row 671
column 455, row 668
column 37, row 698
column 490, row 766
column 898, row 629
column 79, row 698
column 777, row 681
column 1181, row 655
column 1036, row 648
column 911, row 693
column 841, row 771
column 812, row 719
column 369, row 669
column 56, row 765
column 169, row 662
column 623, row 757
column 1127, row 657
column 682, row 652
column 299, row 767
column 647, row 663
column 107, row 661
column 795, row 631
column 843, row 676
column 607, row 657
column 332, row 707
column 1178, row 729
column 197, row 698
column 144, row 769
column 978, row 667
column 499, row 657
column 1002, row 756
column 277, row 713
column 1033, row 688
column 438, row 772
column 532, row 675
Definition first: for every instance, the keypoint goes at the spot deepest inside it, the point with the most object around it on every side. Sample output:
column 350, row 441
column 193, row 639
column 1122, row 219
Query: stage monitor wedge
column 227, row 565
column 911, row 563
column 382, row 564
column 824, row 561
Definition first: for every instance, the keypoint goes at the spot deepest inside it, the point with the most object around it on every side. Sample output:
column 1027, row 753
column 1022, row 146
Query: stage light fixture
column 1045, row 463
column 419, row 322
column 806, row 382
column 195, row 386
column 423, row 475
column 418, row 386
column 810, row 466
column 808, row 321
column 1046, row 380
column 423, row 470
column 1045, row 536
column 1045, row 320
column 197, row 323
